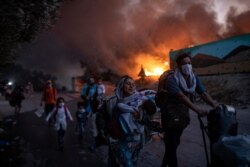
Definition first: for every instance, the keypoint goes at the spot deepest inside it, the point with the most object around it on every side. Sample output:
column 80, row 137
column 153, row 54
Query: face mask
column 61, row 104
column 82, row 110
column 186, row 69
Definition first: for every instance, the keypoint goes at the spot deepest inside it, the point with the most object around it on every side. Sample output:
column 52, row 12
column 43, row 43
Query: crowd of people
column 123, row 121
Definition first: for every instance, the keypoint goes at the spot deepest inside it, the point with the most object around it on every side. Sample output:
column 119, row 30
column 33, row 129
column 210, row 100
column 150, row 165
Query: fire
column 157, row 71
column 153, row 64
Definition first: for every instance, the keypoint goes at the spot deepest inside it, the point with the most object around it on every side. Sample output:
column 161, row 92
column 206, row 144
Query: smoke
column 114, row 34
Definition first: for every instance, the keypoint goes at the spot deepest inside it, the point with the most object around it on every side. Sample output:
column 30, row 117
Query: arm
column 186, row 101
column 55, row 93
column 42, row 99
column 104, row 90
column 124, row 108
column 200, row 89
column 69, row 114
column 208, row 99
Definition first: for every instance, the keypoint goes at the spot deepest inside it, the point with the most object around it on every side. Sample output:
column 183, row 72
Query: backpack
column 113, row 126
column 56, row 111
column 161, row 91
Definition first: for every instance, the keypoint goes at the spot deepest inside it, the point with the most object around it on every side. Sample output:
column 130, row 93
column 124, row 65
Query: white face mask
column 186, row 69
column 82, row 110
column 61, row 104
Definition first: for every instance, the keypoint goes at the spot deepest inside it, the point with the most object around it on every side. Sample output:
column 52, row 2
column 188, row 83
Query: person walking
column 89, row 94
column 100, row 93
column 16, row 98
column 60, row 112
column 48, row 98
column 123, row 149
column 81, row 117
column 180, row 87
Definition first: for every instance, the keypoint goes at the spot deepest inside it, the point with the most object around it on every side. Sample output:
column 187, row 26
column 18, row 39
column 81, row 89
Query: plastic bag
column 39, row 112
column 234, row 150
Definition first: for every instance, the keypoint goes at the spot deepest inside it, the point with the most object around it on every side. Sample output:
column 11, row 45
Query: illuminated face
column 129, row 87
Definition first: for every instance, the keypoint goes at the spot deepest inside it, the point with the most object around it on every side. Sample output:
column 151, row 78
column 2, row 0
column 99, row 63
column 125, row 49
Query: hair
column 58, row 100
column 182, row 56
column 127, row 77
column 150, row 107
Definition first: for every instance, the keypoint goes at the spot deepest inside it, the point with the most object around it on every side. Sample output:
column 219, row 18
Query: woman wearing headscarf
column 128, row 109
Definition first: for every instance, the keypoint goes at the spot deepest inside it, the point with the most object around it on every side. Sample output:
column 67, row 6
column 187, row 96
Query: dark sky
column 123, row 34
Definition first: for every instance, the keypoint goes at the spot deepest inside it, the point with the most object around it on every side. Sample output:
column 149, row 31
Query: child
column 60, row 112
column 82, row 117
column 133, row 109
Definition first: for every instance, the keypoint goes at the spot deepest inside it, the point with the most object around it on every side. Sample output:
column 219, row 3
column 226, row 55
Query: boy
column 81, row 117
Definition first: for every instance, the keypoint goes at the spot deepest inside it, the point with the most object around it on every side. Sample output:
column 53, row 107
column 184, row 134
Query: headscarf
column 119, row 86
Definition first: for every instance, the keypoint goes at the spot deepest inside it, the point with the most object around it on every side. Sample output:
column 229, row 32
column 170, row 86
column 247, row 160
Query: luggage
column 222, row 122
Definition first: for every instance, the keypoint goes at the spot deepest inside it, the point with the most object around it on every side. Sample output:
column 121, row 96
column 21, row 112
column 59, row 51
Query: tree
column 142, row 73
column 21, row 21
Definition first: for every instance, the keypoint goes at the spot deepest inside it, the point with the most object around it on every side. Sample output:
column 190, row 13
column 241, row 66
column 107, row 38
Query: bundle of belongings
column 228, row 149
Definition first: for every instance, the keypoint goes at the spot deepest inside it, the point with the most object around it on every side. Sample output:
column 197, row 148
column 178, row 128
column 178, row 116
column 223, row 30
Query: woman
column 130, row 113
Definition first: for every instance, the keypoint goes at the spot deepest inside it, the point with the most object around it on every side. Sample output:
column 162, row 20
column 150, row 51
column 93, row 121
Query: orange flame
column 157, row 71
column 153, row 66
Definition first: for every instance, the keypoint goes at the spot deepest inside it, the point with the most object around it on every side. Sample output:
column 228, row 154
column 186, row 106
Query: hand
column 202, row 112
column 136, row 114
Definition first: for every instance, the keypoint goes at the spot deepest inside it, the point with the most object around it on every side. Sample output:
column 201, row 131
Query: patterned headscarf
column 119, row 86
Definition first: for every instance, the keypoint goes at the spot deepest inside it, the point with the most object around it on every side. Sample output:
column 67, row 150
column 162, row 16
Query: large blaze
column 152, row 65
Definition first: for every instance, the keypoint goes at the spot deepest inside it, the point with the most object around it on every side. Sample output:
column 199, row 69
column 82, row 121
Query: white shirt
column 100, row 90
column 60, row 117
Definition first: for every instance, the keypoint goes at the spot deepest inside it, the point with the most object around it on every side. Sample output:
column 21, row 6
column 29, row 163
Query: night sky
column 119, row 34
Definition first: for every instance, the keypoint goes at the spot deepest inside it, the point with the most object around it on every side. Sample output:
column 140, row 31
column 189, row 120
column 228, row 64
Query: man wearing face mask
column 179, row 88
column 49, row 97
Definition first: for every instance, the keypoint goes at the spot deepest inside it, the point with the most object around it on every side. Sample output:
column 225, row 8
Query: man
column 49, row 98
column 180, row 87
column 89, row 93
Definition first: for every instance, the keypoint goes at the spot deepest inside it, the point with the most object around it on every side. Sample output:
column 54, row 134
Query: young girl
column 81, row 116
column 60, row 112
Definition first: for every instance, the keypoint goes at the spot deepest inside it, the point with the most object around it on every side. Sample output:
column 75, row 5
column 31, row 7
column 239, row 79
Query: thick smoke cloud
column 113, row 34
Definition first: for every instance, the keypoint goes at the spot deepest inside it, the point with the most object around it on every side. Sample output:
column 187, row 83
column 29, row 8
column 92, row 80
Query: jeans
column 172, row 141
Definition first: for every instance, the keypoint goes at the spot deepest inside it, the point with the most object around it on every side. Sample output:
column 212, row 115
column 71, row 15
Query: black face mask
column 91, row 84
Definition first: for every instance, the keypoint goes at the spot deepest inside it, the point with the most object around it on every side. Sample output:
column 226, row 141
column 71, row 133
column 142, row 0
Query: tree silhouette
column 21, row 21
column 142, row 73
